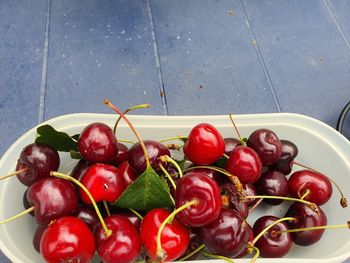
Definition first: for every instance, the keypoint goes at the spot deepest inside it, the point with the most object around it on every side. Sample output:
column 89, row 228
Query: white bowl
column 320, row 147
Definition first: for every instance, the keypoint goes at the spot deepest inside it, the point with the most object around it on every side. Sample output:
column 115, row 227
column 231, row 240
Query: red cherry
column 231, row 144
column 124, row 244
column 197, row 186
column 67, row 239
column 122, row 154
column 79, row 169
column 52, row 198
column 175, row 238
column 204, row 145
column 229, row 190
column 285, row 162
column 245, row 163
column 98, row 144
column 127, row 172
column 39, row 231
column 105, row 183
column 319, row 187
column 88, row 215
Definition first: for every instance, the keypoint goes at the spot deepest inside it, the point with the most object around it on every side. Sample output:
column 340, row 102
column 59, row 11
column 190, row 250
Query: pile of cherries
column 223, row 180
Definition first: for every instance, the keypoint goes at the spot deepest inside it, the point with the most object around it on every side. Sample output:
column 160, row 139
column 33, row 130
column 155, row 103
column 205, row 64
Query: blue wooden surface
column 184, row 57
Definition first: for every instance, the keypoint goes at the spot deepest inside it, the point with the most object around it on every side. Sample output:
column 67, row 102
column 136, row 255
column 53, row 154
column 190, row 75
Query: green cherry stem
column 168, row 176
column 14, row 173
column 307, row 192
column 217, row 257
column 179, row 137
column 126, row 141
column 347, row 225
column 192, row 253
column 166, row 158
column 256, row 256
column 136, row 213
column 27, row 211
column 168, row 220
column 108, row 232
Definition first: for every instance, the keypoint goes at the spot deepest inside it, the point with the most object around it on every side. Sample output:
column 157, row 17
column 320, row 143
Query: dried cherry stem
column 168, row 220
column 114, row 108
column 173, row 146
column 343, row 200
column 14, row 173
column 312, row 206
column 237, row 131
column 225, row 202
column 27, row 211
column 136, row 213
column 108, row 232
column 140, row 106
column 347, row 225
column 217, row 257
column 166, row 158
column 168, row 176
column 307, row 192
column 179, row 137
column 192, row 253
column 107, row 208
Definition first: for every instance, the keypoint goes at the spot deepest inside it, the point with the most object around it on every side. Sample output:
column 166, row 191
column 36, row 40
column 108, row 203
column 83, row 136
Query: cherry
column 79, row 169
column 231, row 144
column 88, row 215
column 127, row 172
column 266, row 143
column 39, row 231
column 36, row 160
column 273, row 183
column 26, row 204
column 67, row 239
column 272, row 244
column 249, row 190
column 123, row 245
column 52, row 198
column 197, row 186
column 122, row 154
column 175, row 238
column 195, row 243
column 231, row 200
column 218, row 177
column 306, row 217
column 105, row 182
column 204, row 145
column 137, row 159
column 133, row 218
column 316, row 187
column 285, row 162
column 245, row 163
column 250, row 237
column 97, row 143
column 226, row 235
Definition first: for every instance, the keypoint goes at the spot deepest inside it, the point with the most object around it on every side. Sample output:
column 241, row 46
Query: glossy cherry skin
column 52, row 198
column 137, row 160
column 39, row 231
column 122, row 154
column 175, row 238
column 272, row 183
column 204, row 145
column 306, row 217
column 79, row 169
column 98, row 144
column 67, row 239
column 39, row 159
column 245, row 163
column 250, row 190
column 272, row 244
column 318, row 184
column 250, row 238
column 231, row 144
column 88, row 215
column 266, row 143
column 226, row 235
column 127, row 172
column 197, row 186
column 285, row 162
column 229, row 190
column 105, row 183
column 124, row 245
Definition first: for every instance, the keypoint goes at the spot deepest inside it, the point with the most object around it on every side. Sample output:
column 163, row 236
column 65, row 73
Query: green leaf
column 75, row 155
column 75, row 137
column 58, row 140
column 147, row 192
column 221, row 162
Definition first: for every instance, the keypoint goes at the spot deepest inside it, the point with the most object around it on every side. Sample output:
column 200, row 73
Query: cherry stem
column 226, row 156
column 315, row 228
column 307, row 192
column 255, row 205
column 107, row 208
column 166, row 158
column 136, row 213
column 343, row 200
column 14, row 173
column 237, row 131
column 179, row 137
column 309, row 204
column 113, row 107
column 217, row 257
column 257, row 254
column 168, row 220
column 168, row 176
column 126, row 141
column 108, row 232
column 140, row 106
column 173, row 146
column 192, row 253
column 27, row 211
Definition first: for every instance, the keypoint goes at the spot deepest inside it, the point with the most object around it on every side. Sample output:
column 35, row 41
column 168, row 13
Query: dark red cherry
column 52, row 198
column 250, row 190
column 124, row 245
column 105, row 183
column 285, row 162
column 79, row 169
column 250, row 238
column 88, row 215
column 67, row 239
column 319, row 186
column 272, row 244
column 229, row 192
column 266, row 143
column 273, row 183
column 39, row 231
column 218, row 177
column 226, row 235
column 122, row 154
column 306, row 217
column 231, row 144
column 204, row 145
column 136, row 221
column 39, row 160
column 98, row 144
column 175, row 238
column 26, row 204
column 137, row 160
column 197, row 186
column 127, row 172
column 195, row 242
column 245, row 163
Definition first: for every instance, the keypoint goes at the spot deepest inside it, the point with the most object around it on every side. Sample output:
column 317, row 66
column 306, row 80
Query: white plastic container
column 320, row 147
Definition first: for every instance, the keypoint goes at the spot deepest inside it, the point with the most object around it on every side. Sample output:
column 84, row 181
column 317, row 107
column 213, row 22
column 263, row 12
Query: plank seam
column 261, row 58
column 157, row 59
